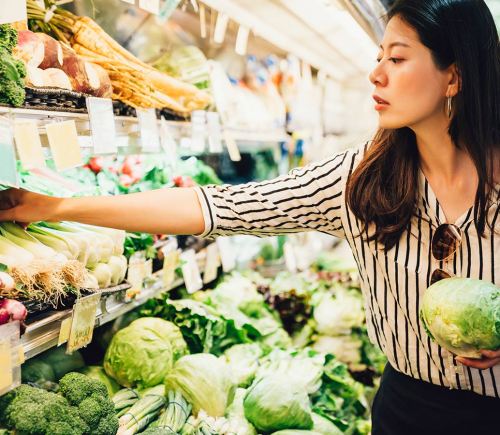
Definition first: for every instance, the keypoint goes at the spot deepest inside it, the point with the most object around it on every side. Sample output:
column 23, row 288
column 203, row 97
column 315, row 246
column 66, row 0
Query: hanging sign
column 102, row 125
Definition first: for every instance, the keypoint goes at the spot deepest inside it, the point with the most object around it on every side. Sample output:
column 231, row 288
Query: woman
column 420, row 202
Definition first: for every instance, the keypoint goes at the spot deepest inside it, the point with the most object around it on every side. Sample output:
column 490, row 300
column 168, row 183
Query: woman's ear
column 455, row 81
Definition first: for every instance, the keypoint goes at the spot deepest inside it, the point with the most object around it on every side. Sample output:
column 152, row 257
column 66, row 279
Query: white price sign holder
column 12, row 11
column 290, row 258
column 198, row 130
column 102, row 125
column 191, row 271
column 168, row 143
column 214, row 132
column 212, row 263
column 227, row 253
column 11, row 356
column 148, row 125
column 83, row 322
column 171, row 259
column 28, row 144
column 232, row 146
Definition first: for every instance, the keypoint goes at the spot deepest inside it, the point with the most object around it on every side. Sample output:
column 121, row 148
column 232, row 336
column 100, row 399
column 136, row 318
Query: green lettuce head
column 144, row 352
column 273, row 403
column 463, row 315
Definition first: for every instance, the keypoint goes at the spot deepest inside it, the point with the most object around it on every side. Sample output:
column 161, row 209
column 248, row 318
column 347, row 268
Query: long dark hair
column 383, row 188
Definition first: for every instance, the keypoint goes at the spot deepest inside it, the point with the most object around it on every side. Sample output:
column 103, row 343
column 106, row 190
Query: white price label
column 64, row 145
column 191, row 271
column 171, row 257
column 83, row 322
column 152, row 6
column 214, row 132
column 150, row 135
column 28, row 144
column 168, row 143
column 198, row 130
column 12, row 11
column 290, row 259
column 227, row 253
column 11, row 356
column 102, row 125
column 232, row 146
column 212, row 263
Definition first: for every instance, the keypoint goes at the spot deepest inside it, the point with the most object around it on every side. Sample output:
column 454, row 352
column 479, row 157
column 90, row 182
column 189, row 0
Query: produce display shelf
column 43, row 334
column 128, row 126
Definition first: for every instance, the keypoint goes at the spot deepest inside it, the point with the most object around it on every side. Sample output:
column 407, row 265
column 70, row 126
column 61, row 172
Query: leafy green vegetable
column 243, row 360
column 205, row 382
column 324, row 426
column 143, row 352
column 274, row 403
column 137, row 242
column 12, row 71
column 463, row 315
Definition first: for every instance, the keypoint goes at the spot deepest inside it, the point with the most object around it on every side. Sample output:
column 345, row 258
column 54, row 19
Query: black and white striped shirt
column 313, row 198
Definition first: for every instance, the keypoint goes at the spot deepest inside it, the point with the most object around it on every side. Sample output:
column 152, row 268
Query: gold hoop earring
column 449, row 106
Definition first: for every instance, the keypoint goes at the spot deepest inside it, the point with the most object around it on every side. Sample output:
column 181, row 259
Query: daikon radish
column 57, row 78
column 74, row 67
column 105, row 89
column 30, row 49
column 53, row 54
column 34, row 77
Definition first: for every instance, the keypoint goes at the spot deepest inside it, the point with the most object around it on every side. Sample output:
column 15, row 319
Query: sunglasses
column 445, row 242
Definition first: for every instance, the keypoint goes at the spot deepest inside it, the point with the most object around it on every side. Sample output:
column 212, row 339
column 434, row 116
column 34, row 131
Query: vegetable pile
column 134, row 82
column 12, row 71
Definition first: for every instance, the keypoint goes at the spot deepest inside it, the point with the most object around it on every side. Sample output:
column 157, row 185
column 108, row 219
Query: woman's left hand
column 490, row 359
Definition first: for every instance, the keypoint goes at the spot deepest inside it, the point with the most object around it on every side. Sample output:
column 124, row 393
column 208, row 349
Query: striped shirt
column 393, row 282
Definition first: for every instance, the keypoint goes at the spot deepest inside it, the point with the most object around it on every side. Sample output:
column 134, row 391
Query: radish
column 53, row 53
column 29, row 48
column 16, row 309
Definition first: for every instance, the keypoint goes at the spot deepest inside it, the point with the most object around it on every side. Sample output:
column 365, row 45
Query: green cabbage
column 324, row 426
column 274, row 403
column 463, row 315
column 243, row 359
column 205, row 381
column 144, row 352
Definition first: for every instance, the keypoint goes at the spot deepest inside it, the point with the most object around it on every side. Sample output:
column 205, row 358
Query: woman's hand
column 23, row 206
column 490, row 359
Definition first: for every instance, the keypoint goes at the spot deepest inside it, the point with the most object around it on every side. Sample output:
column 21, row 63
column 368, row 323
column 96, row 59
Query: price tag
column 212, row 263
column 214, row 132
column 232, row 147
column 148, row 125
column 290, row 259
column 12, row 11
column 83, row 322
column 227, row 253
column 64, row 331
column 8, row 166
column 102, row 125
column 191, row 271
column 136, row 275
column 170, row 262
column 152, row 6
column 168, row 143
column 28, row 144
column 63, row 142
column 198, row 130
column 10, row 352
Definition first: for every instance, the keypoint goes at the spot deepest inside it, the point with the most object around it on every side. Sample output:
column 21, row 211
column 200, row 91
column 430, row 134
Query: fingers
column 481, row 364
column 491, row 353
column 7, row 215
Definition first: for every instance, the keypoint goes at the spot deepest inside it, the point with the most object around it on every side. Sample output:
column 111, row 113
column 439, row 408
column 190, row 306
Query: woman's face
column 409, row 88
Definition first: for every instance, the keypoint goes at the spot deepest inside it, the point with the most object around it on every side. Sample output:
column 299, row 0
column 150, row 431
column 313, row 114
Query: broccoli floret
column 94, row 404
column 33, row 411
column 64, row 428
column 76, row 387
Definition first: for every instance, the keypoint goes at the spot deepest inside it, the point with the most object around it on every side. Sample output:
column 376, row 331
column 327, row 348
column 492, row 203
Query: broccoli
column 12, row 71
column 91, row 397
column 33, row 411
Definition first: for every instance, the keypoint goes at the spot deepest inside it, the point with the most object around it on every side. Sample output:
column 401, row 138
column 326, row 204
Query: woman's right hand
column 24, row 206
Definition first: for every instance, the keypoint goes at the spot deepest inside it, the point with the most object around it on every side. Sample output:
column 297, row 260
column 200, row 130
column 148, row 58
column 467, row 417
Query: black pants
column 407, row 406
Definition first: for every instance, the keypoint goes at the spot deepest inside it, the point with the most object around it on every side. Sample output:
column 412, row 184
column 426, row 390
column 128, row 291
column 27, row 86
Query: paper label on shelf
column 198, row 130
column 136, row 275
column 6, row 376
column 28, row 144
column 171, row 260
column 232, row 146
column 214, row 132
column 63, row 142
column 82, row 325
column 102, row 125
column 191, row 271
column 290, row 259
column 168, row 142
column 12, row 11
column 148, row 126
column 212, row 263
column 8, row 165
column 152, row 6
column 64, row 331
column 227, row 253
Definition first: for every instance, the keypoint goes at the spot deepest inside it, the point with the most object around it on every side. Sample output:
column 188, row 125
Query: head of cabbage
column 144, row 352
column 205, row 381
column 463, row 315
column 274, row 403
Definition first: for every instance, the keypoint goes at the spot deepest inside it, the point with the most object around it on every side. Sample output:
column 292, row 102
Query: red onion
column 16, row 310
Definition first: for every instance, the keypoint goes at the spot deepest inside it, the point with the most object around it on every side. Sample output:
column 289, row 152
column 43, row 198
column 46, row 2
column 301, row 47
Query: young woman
column 418, row 203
